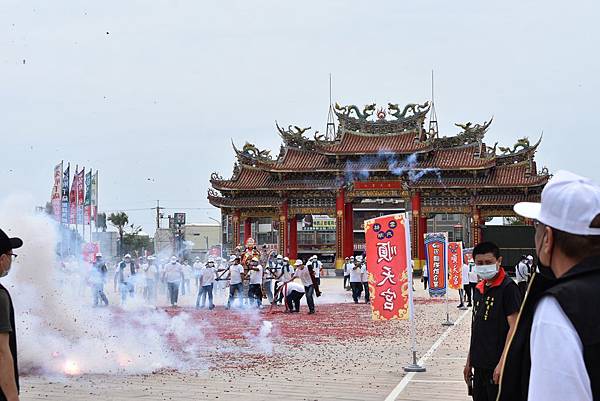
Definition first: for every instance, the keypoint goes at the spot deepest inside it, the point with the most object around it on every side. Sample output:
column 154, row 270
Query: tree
column 515, row 221
column 119, row 220
column 135, row 243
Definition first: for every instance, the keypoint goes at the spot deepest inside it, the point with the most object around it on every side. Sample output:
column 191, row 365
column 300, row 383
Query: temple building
column 313, row 197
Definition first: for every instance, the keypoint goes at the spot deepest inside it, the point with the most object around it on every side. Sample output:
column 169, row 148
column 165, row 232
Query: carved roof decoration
column 379, row 144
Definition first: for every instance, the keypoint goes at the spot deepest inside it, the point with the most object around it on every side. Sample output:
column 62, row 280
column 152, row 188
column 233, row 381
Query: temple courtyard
column 337, row 354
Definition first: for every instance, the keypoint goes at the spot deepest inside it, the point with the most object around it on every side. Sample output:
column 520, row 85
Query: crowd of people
column 251, row 279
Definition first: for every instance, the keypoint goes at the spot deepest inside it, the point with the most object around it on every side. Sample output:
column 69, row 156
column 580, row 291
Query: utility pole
column 158, row 214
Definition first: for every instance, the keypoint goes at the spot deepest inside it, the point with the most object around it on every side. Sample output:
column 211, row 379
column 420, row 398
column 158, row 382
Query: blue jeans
column 233, row 289
column 310, row 301
column 204, row 291
column 126, row 288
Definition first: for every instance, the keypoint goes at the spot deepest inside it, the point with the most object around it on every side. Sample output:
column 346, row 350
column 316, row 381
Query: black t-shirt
column 7, row 325
column 489, row 327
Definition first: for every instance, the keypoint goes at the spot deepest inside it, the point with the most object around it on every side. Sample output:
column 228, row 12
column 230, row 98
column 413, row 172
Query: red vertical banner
column 455, row 262
column 388, row 252
column 80, row 195
column 73, row 199
column 436, row 258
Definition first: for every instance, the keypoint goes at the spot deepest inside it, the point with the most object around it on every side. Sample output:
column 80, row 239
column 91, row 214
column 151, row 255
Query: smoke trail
column 359, row 170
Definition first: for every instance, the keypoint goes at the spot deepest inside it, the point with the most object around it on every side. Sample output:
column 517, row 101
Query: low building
column 200, row 239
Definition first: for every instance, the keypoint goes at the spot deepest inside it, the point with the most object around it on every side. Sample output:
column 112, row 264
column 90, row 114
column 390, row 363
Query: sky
column 151, row 93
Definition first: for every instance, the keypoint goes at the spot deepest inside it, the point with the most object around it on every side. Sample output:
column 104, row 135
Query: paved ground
column 336, row 354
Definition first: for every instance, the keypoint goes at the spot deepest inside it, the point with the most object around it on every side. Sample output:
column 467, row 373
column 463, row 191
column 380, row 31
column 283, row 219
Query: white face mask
column 486, row 272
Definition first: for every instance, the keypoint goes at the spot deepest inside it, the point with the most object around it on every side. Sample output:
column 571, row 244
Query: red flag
column 388, row 252
column 455, row 262
column 80, row 196
column 73, row 199
column 437, row 262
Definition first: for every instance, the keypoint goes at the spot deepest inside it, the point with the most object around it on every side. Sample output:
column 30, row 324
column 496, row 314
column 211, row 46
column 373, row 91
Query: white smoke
column 360, row 170
column 58, row 330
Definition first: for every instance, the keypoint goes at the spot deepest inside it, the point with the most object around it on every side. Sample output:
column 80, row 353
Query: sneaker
column 461, row 306
column 312, row 312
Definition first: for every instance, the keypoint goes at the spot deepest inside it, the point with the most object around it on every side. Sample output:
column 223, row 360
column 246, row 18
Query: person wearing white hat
column 307, row 280
column 197, row 267
column 522, row 273
column 346, row 272
column 207, row 279
column 173, row 276
column 316, row 265
column 356, row 279
column 285, row 275
column 97, row 280
column 125, row 277
column 152, row 279
column 555, row 351
column 255, row 272
column 236, row 275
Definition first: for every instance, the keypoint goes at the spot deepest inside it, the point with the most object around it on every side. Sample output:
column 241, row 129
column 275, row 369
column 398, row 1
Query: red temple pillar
column 348, row 230
column 247, row 229
column 283, row 228
column 293, row 239
column 423, row 228
column 419, row 227
column 339, row 229
column 235, row 223
column 476, row 226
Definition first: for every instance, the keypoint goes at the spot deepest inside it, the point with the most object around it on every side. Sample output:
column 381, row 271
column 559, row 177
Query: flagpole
column 414, row 366
column 61, row 230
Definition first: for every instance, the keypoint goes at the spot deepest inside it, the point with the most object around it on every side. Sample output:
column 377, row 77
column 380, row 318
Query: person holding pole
column 496, row 305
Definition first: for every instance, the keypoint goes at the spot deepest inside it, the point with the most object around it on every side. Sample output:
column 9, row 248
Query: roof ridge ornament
column 367, row 111
column 522, row 143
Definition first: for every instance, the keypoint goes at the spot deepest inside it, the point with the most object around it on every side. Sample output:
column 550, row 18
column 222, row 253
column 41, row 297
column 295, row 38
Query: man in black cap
column 9, row 374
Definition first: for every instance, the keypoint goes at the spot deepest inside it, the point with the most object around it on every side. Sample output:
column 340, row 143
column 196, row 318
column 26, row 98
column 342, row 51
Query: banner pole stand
column 414, row 366
column 447, row 322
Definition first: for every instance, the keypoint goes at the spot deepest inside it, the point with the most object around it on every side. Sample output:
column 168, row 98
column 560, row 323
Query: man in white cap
column 316, row 265
column 236, row 275
column 285, row 275
column 197, row 267
column 98, row 279
column 9, row 371
column 555, row 351
column 346, row 272
column 522, row 273
column 173, row 276
column 255, row 271
column 307, row 280
column 125, row 278
column 356, row 279
column 207, row 279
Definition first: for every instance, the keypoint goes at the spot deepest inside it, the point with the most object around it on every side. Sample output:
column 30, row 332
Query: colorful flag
column 436, row 251
column 55, row 198
column 80, row 195
column 455, row 262
column 65, row 218
column 73, row 199
column 468, row 255
column 87, row 204
column 388, row 263
column 95, row 196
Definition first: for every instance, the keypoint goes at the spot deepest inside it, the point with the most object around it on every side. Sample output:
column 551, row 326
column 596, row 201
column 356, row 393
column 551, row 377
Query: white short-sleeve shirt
column 557, row 368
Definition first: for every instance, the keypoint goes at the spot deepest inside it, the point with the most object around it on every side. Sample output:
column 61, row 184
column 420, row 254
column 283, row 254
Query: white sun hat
column 569, row 203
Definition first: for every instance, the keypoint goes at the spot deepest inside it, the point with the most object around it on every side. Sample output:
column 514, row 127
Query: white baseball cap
column 232, row 258
column 279, row 257
column 98, row 255
column 298, row 262
column 569, row 203
column 359, row 258
column 173, row 258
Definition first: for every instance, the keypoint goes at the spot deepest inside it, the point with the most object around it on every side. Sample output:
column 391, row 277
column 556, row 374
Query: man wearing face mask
column 496, row 305
column 555, row 352
column 9, row 373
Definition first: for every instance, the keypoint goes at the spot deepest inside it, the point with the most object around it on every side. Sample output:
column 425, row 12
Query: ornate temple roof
column 387, row 142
